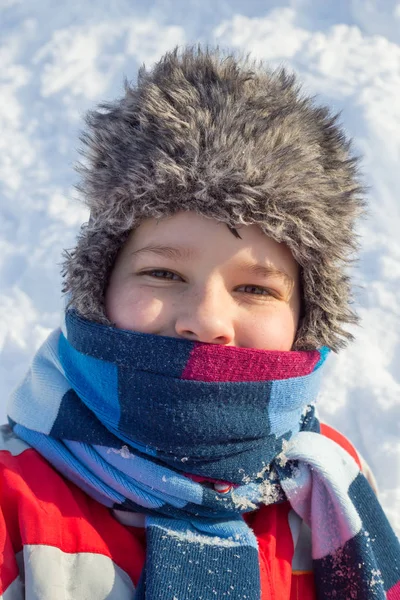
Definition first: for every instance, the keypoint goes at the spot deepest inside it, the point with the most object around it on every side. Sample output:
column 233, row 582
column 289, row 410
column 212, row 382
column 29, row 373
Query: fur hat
column 232, row 140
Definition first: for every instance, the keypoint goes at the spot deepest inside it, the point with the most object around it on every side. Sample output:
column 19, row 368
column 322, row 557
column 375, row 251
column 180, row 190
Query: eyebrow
column 186, row 253
column 174, row 252
column 267, row 271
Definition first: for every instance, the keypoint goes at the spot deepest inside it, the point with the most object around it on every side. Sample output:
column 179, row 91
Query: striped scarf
column 194, row 435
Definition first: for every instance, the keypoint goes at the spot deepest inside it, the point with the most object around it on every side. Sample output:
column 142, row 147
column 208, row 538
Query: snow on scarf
column 194, row 435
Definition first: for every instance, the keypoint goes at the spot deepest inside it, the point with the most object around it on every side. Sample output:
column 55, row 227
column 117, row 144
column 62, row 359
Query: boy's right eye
column 160, row 274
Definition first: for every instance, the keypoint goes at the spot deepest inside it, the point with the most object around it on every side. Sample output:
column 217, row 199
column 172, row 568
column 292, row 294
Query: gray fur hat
column 233, row 140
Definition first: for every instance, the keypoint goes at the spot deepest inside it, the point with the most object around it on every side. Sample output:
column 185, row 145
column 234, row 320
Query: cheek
column 133, row 308
column 274, row 331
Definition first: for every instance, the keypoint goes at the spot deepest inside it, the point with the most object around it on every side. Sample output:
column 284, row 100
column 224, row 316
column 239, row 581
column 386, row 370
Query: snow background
column 58, row 62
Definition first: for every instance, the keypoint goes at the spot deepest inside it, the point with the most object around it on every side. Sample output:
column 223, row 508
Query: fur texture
column 233, row 141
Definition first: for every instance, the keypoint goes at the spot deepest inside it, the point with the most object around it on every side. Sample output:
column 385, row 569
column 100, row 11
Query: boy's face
column 187, row 276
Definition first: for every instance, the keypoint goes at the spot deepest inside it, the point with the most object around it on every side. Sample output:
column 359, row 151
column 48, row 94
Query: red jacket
column 58, row 543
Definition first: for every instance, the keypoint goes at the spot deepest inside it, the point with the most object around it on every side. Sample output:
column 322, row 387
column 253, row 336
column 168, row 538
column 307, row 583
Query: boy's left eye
column 255, row 289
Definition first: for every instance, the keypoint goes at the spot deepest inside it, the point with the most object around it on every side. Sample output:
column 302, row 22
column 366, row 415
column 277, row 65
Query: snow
column 124, row 452
column 202, row 540
column 57, row 63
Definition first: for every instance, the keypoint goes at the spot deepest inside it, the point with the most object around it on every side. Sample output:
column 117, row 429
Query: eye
column 160, row 274
column 256, row 290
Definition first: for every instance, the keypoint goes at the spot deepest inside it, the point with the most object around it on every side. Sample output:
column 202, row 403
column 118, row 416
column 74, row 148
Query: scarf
column 194, row 435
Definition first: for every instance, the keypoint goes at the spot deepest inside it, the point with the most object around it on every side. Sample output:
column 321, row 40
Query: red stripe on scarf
column 229, row 363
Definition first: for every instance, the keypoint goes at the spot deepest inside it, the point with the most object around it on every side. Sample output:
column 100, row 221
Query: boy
column 164, row 444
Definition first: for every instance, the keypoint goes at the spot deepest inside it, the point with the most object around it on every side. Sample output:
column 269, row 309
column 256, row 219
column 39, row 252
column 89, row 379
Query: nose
column 205, row 316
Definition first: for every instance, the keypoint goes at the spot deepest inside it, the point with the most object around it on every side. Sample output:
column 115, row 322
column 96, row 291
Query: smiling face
column 189, row 277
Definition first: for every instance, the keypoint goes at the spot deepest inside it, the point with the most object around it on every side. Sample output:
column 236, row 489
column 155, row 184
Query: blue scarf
column 195, row 435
